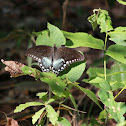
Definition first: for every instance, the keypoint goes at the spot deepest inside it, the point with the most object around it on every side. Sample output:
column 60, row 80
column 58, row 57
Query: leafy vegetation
column 107, row 80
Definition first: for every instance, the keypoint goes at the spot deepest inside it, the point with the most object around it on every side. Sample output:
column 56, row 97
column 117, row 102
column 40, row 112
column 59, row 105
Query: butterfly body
column 54, row 59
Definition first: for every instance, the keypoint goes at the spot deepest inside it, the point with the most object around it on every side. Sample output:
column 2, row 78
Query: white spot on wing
column 40, row 64
column 64, row 65
column 62, row 68
column 67, row 62
column 39, row 60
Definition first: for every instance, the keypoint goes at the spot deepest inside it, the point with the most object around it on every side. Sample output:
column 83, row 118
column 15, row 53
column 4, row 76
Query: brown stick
column 64, row 23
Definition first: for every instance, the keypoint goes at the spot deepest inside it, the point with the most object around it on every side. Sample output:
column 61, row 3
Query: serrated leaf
column 104, row 21
column 37, row 115
column 63, row 122
column 51, row 114
column 101, row 18
column 117, row 52
column 84, row 39
column 93, row 20
column 76, row 72
column 28, row 104
column 122, row 2
column 116, row 109
column 56, row 35
column 118, row 36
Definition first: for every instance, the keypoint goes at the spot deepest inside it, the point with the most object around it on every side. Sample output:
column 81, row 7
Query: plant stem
column 120, row 92
column 105, row 56
column 105, row 65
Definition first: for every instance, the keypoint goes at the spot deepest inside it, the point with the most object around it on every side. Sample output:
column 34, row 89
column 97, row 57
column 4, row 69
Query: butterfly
column 54, row 59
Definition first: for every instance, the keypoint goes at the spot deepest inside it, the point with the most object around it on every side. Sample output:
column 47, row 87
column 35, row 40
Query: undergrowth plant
column 107, row 80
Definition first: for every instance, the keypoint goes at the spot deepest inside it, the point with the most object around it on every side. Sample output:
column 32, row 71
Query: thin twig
column 65, row 5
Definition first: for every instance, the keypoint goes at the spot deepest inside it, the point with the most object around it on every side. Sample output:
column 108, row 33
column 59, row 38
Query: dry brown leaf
column 13, row 67
column 11, row 122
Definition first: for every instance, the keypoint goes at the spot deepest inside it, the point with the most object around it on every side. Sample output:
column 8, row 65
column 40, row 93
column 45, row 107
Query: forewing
column 38, row 52
column 42, row 54
column 68, row 55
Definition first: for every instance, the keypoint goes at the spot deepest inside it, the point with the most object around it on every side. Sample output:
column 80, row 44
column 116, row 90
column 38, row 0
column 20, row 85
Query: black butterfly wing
column 67, row 56
column 42, row 54
column 38, row 52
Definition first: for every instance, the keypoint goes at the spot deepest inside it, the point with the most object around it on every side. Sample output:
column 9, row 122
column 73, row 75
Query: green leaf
column 122, row 124
column 63, row 122
column 28, row 104
column 89, row 93
column 37, row 115
column 56, row 84
column 117, row 52
column 104, row 21
column 74, row 102
column 44, row 39
column 27, row 70
column 52, row 36
column 84, row 39
column 118, row 80
column 76, row 72
column 37, row 33
column 101, row 18
column 102, row 116
column 118, row 36
column 93, row 20
column 115, row 109
column 122, row 2
column 94, row 72
column 32, row 71
column 43, row 96
column 54, row 98
column 56, row 35
column 105, row 85
column 96, row 80
column 116, row 77
column 51, row 114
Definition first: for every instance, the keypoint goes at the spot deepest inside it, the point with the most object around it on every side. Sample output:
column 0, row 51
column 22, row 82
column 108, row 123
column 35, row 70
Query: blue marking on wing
column 58, row 64
column 46, row 62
